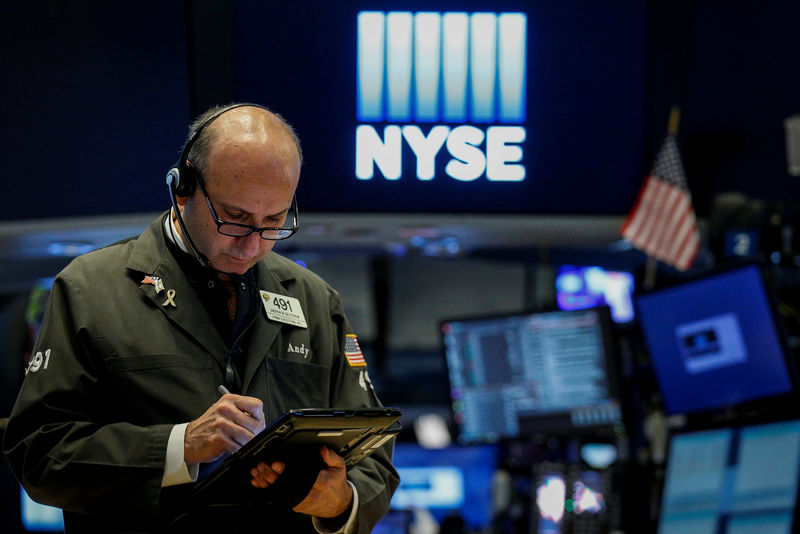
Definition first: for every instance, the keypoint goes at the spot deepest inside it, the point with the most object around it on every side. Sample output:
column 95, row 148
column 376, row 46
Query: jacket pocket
column 159, row 388
column 144, row 362
column 295, row 385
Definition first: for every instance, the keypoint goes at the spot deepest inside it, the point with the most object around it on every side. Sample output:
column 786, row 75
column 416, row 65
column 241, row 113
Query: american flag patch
column 353, row 352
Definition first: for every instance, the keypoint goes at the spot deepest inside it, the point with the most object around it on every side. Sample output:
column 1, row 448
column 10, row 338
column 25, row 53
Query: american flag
column 662, row 223
column 353, row 352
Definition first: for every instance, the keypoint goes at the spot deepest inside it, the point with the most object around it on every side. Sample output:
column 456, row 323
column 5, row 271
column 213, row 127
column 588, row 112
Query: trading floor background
column 467, row 168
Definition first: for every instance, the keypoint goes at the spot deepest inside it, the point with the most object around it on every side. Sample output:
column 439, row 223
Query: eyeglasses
column 241, row 230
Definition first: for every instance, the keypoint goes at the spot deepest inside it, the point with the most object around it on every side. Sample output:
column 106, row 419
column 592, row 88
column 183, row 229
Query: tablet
column 295, row 438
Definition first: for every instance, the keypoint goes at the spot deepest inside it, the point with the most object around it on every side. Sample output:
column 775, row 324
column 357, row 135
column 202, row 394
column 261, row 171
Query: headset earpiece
column 182, row 182
column 185, row 180
column 173, row 179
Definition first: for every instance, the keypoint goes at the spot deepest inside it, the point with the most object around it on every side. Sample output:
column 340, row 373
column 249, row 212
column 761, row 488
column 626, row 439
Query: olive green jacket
column 119, row 366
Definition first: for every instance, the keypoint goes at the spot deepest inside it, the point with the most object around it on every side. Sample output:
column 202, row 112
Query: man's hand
column 330, row 496
column 225, row 427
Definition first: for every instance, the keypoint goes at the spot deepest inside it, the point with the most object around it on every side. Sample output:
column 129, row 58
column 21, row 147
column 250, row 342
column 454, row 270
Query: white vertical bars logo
column 453, row 67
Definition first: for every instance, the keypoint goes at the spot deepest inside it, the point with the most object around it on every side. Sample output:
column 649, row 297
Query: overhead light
column 599, row 455
column 620, row 245
column 316, row 230
column 432, row 432
column 441, row 247
column 69, row 249
column 425, row 232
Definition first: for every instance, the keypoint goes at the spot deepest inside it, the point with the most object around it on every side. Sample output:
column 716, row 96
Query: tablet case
column 295, row 438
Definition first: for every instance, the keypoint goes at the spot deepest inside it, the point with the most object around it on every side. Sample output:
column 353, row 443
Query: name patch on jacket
column 283, row 309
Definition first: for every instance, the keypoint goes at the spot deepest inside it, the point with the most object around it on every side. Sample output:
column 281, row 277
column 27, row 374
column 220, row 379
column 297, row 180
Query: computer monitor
column 580, row 287
column 38, row 517
column 715, row 342
column 395, row 522
column 732, row 481
column 453, row 480
column 518, row 375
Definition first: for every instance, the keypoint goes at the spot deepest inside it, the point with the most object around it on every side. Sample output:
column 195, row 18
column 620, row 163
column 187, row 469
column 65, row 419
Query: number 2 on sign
column 282, row 304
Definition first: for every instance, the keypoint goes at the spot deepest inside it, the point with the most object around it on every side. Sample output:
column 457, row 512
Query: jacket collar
column 151, row 256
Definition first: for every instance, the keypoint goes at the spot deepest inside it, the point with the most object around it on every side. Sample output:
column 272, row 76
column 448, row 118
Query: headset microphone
column 173, row 179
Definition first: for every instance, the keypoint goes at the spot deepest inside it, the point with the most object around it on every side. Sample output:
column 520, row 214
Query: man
column 114, row 426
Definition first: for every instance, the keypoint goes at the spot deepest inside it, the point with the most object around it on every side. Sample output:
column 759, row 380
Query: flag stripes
column 662, row 222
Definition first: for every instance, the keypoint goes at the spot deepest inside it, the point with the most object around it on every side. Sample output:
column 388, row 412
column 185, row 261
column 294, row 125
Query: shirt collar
column 195, row 272
column 172, row 233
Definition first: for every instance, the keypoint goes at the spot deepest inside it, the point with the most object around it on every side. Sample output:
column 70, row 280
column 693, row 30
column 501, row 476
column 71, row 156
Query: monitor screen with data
column 523, row 374
column 732, row 480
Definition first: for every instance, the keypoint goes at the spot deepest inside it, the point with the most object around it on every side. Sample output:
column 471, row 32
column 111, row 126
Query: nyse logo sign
column 420, row 69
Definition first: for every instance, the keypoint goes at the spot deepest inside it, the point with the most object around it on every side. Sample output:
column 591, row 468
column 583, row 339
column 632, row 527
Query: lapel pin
column 170, row 299
column 155, row 281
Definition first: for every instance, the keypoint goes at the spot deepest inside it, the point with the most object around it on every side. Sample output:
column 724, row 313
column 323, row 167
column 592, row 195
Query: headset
column 182, row 178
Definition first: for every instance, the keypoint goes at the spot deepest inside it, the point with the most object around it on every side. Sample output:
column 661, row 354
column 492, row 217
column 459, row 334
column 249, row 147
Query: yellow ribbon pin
column 170, row 297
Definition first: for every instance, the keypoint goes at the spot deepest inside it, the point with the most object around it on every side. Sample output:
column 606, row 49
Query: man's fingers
column 255, row 409
column 331, row 495
column 247, row 412
column 236, row 431
column 249, row 405
column 264, row 475
column 225, row 427
column 330, row 457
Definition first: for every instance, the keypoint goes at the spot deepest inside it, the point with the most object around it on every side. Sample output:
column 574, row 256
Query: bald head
column 255, row 127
